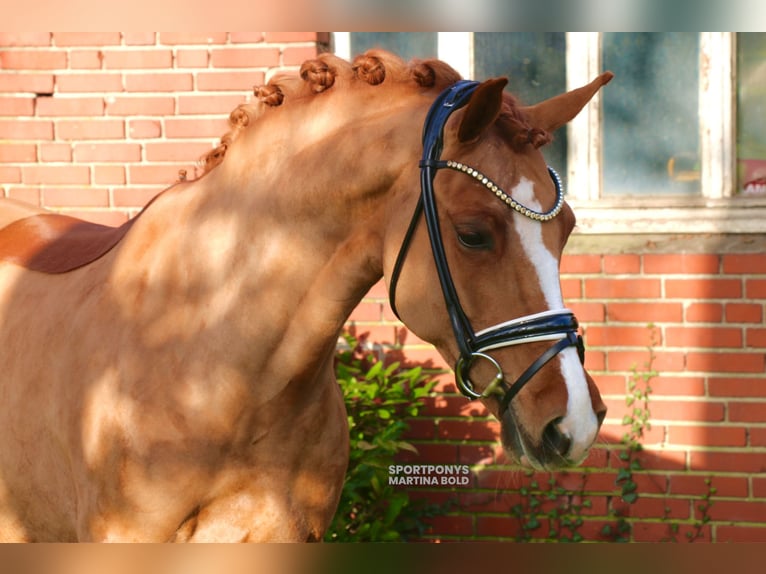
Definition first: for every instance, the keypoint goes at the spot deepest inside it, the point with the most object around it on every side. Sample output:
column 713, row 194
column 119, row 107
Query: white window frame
column 715, row 210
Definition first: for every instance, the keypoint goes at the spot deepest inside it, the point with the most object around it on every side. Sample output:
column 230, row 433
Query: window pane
column 534, row 62
column 651, row 127
column 405, row 44
column 751, row 113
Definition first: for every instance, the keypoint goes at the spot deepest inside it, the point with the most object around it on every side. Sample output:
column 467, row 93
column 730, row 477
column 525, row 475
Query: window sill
column 670, row 215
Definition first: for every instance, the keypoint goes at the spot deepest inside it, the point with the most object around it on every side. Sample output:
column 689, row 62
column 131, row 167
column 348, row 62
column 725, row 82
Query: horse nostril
column 601, row 415
column 556, row 440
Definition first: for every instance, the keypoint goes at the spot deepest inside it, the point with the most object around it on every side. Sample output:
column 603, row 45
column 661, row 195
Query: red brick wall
column 96, row 124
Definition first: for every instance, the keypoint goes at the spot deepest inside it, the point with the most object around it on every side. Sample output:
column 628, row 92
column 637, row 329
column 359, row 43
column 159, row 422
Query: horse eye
column 473, row 239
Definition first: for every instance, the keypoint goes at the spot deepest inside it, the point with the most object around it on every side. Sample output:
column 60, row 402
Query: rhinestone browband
column 494, row 188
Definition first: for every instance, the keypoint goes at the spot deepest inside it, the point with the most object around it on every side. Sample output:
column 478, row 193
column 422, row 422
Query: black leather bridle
column 558, row 325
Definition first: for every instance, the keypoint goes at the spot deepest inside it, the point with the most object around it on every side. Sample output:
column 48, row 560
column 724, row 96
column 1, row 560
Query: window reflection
column 651, row 128
column 751, row 113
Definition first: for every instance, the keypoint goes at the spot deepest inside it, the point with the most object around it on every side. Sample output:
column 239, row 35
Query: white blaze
column 580, row 422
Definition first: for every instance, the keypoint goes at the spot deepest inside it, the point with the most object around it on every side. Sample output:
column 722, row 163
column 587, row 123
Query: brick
column 90, row 129
column 747, row 412
column 191, row 128
column 247, row 37
column 285, row 37
column 755, row 338
column 580, row 263
column 173, row 38
column 89, row 82
column 452, row 525
column 737, row 387
column 571, row 288
column 63, row 106
column 138, row 59
column 86, row 38
column 740, row 533
column 75, row 197
column 468, row 430
column 681, row 263
column 744, row 263
column 236, row 81
column 632, row 288
column 707, row 337
column 55, row 152
column 86, row 59
column 420, row 429
column 619, row 336
column 139, row 38
column 10, row 174
column 15, row 106
column 725, row 362
column 622, row 263
column 713, row 435
column 757, row 437
column 192, row 151
column 610, row 384
column 109, row 174
column 296, row 55
column 140, row 106
column 755, row 288
column 703, row 288
column 434, row 453
column 262, row 57
column 192, row 58
column 158, row 82
column 687, row 411
column 744, row 313
column 56, row 174
column 208, row 104
column 365, row 311
column 704, row 312
column 738, row 511
column 32, row 60
column 34, row 83
column 25, row 39
column 731, row 462
column 678, row 386
column 107, row 152
column 663, row 362
column 144, row 129
column 649, row 312
column 18, row 153
column 695, row 485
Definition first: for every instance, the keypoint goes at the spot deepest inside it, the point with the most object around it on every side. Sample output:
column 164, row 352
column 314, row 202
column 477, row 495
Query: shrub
column 379, row 395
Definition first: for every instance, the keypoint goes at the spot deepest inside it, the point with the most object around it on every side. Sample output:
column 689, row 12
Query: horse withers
column 172, row 379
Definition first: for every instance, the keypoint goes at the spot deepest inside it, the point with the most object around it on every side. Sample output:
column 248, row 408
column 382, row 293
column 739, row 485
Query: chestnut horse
column 172, row 379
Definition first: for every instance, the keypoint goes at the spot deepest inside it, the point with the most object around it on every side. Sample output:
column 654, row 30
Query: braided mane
column 374, row 67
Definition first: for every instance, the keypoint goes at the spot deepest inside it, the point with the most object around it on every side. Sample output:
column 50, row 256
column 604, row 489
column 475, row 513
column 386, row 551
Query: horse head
column 480, row 279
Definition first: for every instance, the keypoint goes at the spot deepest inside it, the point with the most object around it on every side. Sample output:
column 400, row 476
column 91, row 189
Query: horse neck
column 291, row 235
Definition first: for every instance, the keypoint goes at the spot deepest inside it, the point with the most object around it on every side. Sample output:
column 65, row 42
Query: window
column 676, row 143
column 751, row 114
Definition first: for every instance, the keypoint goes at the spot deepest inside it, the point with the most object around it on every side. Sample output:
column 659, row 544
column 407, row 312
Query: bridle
column 558, row 325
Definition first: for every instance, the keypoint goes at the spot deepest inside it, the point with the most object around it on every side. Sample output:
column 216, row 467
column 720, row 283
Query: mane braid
column 374, row 67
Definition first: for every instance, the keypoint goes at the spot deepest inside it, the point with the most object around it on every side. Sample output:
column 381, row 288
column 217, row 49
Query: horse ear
column 553, row 113
column 482, row 109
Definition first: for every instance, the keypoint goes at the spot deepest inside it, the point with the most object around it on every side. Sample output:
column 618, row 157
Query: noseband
column 558, row 325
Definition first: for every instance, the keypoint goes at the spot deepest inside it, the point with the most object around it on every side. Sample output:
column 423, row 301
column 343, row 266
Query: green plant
column 379, row 396
column 559, row 508
column 637, row 421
